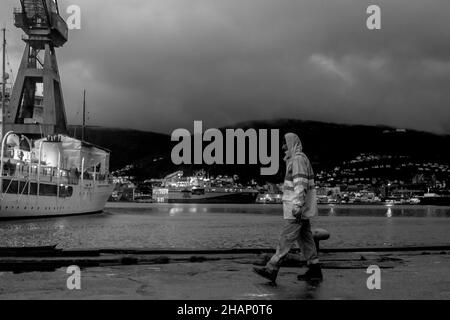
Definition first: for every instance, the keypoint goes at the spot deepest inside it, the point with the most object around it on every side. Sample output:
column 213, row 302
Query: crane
column 45, row 31
column 40, row 20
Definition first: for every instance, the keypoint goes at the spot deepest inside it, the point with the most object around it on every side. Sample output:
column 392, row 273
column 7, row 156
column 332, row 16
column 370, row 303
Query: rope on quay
column 55, row 252
column 387, row 249
column 266, row 250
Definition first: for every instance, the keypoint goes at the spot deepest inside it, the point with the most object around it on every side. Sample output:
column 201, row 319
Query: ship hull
column 435, row 201
column 86, row 199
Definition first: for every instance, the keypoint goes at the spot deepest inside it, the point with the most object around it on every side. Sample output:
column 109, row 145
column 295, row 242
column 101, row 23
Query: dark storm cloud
column 160, row 64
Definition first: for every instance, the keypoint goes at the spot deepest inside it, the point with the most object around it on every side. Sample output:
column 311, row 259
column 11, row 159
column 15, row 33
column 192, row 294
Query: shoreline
column 137, row 205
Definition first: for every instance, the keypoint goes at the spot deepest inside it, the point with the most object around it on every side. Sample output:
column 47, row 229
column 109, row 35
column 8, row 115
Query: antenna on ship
column 83, row 127
column 3, row 83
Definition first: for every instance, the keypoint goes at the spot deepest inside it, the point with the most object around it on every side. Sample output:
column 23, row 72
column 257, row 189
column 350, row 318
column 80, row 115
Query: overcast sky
column 161, row 64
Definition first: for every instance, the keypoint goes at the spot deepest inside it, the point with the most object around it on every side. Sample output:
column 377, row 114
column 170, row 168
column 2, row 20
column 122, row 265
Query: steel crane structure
column 45, row 31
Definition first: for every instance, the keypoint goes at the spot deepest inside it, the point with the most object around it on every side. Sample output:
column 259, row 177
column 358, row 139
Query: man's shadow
column 304, row 290
column 309, row 291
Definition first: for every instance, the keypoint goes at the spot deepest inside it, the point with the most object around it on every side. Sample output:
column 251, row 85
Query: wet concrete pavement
column 404, row 275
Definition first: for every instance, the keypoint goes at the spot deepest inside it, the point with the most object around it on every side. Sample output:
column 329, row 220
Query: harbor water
column 210, row 226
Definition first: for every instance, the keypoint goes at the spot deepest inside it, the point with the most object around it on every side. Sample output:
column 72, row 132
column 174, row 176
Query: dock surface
column 404, row 275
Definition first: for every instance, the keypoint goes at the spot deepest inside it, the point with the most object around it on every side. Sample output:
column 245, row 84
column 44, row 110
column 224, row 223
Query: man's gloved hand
column 297, row 212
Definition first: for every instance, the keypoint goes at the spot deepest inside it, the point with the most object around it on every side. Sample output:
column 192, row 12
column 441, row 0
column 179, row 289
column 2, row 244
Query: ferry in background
column 212, row 195
column 435, row 199
column 199, row 188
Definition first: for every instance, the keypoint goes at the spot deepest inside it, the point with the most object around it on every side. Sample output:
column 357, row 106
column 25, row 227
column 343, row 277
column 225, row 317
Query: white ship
column 57, row 176
column 43, row 171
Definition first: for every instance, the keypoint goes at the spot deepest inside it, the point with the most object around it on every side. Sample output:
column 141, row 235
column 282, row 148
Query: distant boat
column 209, row 195
column 434, row 199
column 178, row 188
column 270, row 198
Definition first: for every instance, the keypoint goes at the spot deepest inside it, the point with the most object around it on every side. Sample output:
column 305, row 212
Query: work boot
column 263, row 272
column 314, row 273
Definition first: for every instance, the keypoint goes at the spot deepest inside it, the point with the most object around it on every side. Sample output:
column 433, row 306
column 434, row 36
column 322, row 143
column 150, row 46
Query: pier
column 406, row 273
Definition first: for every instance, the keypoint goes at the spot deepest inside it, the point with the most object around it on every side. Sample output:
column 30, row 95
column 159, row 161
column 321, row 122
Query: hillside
column 126, row 145
column 326, row 144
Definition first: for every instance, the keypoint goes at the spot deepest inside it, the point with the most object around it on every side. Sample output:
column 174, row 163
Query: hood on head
column 293, row 143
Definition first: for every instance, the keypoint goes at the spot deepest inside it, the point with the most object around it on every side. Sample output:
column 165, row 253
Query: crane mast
column 36, row 106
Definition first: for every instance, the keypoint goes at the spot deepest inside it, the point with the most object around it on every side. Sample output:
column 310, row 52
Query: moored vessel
column 200, row 188
column 434, row 199
column 57, row 175
column 212, row 195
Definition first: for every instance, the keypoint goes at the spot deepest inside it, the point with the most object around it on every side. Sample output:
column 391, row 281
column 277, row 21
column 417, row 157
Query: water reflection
column 332, row 212
column 385, row 211
column 324, row 210
column 174, row 211
column 389, row 229
column 389, row 212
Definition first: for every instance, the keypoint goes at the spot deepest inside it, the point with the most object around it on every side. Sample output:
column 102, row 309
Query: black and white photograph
column 251, row 151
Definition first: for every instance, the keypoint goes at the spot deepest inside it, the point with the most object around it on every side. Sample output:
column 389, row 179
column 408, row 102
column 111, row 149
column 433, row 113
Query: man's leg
column 289, row 236
column 309, row 251
column 307, row 244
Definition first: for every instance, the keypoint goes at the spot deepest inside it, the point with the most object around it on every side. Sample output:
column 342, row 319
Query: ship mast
column 83, row 127
column 3, row 83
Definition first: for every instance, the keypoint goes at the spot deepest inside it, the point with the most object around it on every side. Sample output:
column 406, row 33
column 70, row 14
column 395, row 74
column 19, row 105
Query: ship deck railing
column 39, row 173
column 24, row 174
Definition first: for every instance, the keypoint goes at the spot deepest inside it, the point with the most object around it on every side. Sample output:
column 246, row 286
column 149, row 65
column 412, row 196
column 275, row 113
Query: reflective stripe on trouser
column 294, row 231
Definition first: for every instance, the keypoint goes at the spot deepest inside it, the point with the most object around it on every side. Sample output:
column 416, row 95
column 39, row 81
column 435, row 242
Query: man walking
column 299, row 205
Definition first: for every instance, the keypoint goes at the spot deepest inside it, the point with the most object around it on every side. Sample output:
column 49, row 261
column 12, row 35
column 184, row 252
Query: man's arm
column 300, row 177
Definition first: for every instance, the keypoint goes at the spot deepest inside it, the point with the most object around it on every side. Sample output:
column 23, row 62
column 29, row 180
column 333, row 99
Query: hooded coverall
column 298, row 181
